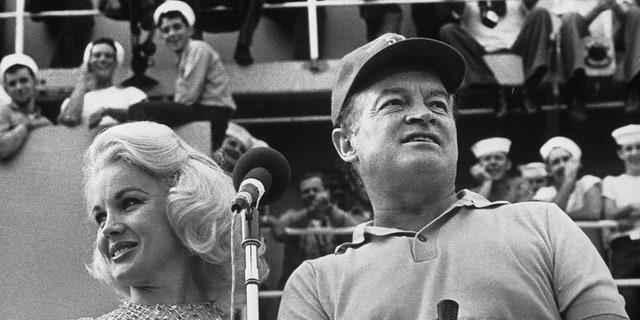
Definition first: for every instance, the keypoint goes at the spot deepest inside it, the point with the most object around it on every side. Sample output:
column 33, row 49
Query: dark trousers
column 625, row 263
column 381, row 19
column 428, row 18
column 244, row 16
column 175, row 114
column 574, row 28
column 295, row 23
column 532, row 44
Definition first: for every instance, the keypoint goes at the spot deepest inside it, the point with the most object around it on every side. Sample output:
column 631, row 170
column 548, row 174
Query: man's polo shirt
column 497, row 260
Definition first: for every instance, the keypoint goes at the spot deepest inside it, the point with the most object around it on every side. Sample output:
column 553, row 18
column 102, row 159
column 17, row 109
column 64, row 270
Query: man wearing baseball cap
column 622, row 203
column 393, row 115
column 18, row 72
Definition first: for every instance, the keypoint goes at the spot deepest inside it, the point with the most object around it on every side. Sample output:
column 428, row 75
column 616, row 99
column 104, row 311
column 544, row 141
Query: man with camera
column 518, row 27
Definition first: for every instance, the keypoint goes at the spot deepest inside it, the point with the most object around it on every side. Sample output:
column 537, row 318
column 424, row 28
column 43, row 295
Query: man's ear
column 620, row 155
column 342, row 143
column 509, row 164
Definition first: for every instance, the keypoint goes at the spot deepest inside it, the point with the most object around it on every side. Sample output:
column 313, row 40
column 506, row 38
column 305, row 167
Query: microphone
column 261, row 175
column 447, row 310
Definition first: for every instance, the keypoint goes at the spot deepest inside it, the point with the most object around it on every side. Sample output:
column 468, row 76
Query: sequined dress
column 132, row 311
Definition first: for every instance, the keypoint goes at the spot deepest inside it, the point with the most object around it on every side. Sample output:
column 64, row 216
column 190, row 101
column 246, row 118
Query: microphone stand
column 251, row 243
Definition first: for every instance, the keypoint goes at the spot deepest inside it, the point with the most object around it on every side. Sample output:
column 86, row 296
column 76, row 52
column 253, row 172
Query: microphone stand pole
column 251, row 243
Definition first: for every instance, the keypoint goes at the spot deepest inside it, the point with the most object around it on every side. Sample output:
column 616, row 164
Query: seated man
column 579, row 196
column 535, row 173
column 575, row 27
column 18, row 73
column 318, row 211
column 621, row 203
column 522, row 28
column 95, row 94
column 492, row 172
column 202, row 89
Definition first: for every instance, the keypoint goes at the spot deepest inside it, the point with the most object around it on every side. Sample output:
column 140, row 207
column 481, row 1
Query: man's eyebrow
column 439, row 93
column 393, row 90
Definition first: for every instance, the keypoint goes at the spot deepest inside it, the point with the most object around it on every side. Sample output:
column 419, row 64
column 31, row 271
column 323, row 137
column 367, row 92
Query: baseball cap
column 17, row 58
column 391, row 48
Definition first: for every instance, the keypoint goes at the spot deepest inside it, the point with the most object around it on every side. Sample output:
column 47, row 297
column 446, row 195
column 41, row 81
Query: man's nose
column 420, row 114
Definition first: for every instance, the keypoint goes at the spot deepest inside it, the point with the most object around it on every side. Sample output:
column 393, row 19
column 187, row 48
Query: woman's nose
column 112, row 227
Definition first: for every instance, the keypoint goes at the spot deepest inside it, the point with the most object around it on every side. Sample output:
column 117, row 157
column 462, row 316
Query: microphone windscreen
column 273, row 162
column 262, row 175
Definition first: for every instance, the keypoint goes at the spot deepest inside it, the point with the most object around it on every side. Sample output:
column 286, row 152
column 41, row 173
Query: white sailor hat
column 241, row 134
column 175, row 5
column 533, row 170
column 491, row 145
column 120, row 55
column 628, row 134
column 17, row 58
column 560, row 142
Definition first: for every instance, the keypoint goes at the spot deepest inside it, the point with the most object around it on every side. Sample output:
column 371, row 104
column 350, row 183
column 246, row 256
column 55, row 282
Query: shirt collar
column 16, row 107
column 185, row 52
column 465, row 197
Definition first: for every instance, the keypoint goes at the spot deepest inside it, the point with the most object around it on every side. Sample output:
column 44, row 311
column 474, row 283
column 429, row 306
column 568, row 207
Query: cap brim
column 446, row 61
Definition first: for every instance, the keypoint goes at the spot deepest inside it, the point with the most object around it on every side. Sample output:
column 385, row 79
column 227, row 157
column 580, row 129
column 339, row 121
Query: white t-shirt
column 111, row 97
column 503, row 35
column 623, row 189
column 576, row 199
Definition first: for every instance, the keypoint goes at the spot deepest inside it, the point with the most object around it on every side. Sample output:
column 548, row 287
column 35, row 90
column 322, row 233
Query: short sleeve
column 587, row 182
column 300, row 298
column 607, row 187
column 135, row 95
column 545, row 194
column 583, row 283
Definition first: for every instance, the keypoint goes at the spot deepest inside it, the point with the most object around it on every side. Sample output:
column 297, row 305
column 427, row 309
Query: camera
column 598, row 55
column 491, row 11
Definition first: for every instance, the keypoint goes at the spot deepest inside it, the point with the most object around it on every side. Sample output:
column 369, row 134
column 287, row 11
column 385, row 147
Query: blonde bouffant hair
column 198, row 201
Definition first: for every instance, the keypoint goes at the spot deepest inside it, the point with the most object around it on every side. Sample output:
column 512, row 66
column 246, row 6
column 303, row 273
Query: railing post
column 312, row 12
column 19, row 40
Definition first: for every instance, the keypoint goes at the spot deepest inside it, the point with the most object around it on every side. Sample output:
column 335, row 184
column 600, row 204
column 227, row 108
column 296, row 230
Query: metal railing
column 312, row 8
column 312, row 5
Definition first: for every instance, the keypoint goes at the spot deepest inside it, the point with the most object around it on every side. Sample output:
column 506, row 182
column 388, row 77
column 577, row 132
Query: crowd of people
column 506, row 247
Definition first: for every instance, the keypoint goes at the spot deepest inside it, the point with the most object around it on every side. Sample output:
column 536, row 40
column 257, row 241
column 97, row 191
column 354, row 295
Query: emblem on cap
column 393, row 38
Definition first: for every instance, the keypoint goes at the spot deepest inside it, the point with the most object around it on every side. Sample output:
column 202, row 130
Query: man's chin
column 22, row 102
